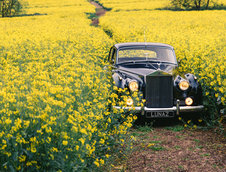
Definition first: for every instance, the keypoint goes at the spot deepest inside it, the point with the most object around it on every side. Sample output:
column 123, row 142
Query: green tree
column 191, row 4
column 10, row 7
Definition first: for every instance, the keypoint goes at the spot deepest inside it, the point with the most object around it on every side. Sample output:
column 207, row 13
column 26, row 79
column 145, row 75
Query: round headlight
column 129, row 102
column 188, row 101
column 133, row 86
column 184, row 85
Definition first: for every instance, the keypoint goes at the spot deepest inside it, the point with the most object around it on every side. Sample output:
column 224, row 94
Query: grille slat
column 159, row 91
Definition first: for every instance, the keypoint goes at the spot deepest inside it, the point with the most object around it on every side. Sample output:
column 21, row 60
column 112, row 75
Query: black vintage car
column 149, row 68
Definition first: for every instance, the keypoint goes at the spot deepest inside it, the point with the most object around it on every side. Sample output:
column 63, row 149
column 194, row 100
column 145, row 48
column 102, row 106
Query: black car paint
column 124, row 73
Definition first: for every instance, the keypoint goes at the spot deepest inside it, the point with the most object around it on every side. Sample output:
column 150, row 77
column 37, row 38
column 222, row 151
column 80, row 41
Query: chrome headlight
column 133, row 85
column 188, row 101
column 129, row 102
column 184, row 85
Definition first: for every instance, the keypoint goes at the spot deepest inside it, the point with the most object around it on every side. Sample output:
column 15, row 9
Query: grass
column 196, row 140
column 177, row 147
column 179, row 137
column 205, row 154
column 155, row 141
column 176, row 128
column 157, row 148
column 135, row 134
column 155, row 137
column 145, row 128
column 199, row 147
column 181, row 167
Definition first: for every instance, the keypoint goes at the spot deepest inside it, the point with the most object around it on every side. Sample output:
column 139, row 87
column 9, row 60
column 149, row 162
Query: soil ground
column 177, row 149
column 100, row 11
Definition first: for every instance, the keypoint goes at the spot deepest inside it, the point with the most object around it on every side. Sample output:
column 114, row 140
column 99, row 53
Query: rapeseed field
column 135, row 5
column 54, row 93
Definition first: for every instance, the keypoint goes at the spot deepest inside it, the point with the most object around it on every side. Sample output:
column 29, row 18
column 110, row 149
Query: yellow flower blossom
column 102, row 141
column 18, row 168
column 82, row 141
column 97, row 163
column 65, row 142
column 22, row 158
column 28, row 164
column 150, row 144
column 107, row 155
column 101, row 161
column 33, row 149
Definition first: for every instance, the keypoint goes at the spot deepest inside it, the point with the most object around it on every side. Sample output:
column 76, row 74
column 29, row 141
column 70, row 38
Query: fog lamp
column 188, row 101
column 133, row 86
column 129, row 102
column 184, row 85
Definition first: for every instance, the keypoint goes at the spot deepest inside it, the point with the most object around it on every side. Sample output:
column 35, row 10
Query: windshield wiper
column 169, row 63
column 144, row 61
column 135, row 61
column 159, row 61
column 127, row 62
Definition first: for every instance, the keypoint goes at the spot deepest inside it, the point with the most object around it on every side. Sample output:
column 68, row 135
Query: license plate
column 161, row 114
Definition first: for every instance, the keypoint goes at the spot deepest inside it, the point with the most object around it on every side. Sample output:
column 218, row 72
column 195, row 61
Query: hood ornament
column 159, row 64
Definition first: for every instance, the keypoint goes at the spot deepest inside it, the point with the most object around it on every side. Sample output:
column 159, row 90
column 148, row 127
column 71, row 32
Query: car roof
column 140, row 44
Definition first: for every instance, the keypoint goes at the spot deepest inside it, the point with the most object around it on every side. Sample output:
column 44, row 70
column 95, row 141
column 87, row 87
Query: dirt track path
column 177, row 150
column 100, row 11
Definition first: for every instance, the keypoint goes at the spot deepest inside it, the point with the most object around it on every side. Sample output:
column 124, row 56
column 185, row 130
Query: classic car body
column 149, row 68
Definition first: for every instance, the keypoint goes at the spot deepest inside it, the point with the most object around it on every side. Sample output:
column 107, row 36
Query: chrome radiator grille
column 159, row 91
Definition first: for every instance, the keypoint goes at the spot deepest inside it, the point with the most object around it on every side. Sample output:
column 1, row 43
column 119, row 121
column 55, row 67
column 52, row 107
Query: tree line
column 194, row 4
column 10, row 8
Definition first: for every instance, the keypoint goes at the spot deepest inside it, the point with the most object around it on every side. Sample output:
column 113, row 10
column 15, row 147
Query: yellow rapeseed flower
column 97, row 163
column 65, row 142
column 22, row 158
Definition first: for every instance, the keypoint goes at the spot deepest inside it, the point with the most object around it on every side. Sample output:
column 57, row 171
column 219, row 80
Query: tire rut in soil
column 100, row 11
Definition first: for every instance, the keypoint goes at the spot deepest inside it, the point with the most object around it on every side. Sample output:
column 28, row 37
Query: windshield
column 162, row 54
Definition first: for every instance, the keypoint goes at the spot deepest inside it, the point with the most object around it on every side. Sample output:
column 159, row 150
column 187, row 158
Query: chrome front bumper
column 176, row 109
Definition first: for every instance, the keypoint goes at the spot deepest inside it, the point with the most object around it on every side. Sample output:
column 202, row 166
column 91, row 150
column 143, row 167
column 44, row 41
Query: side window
column 112, row 55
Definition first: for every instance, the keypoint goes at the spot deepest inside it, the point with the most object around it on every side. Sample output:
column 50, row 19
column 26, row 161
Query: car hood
column 145, row 71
